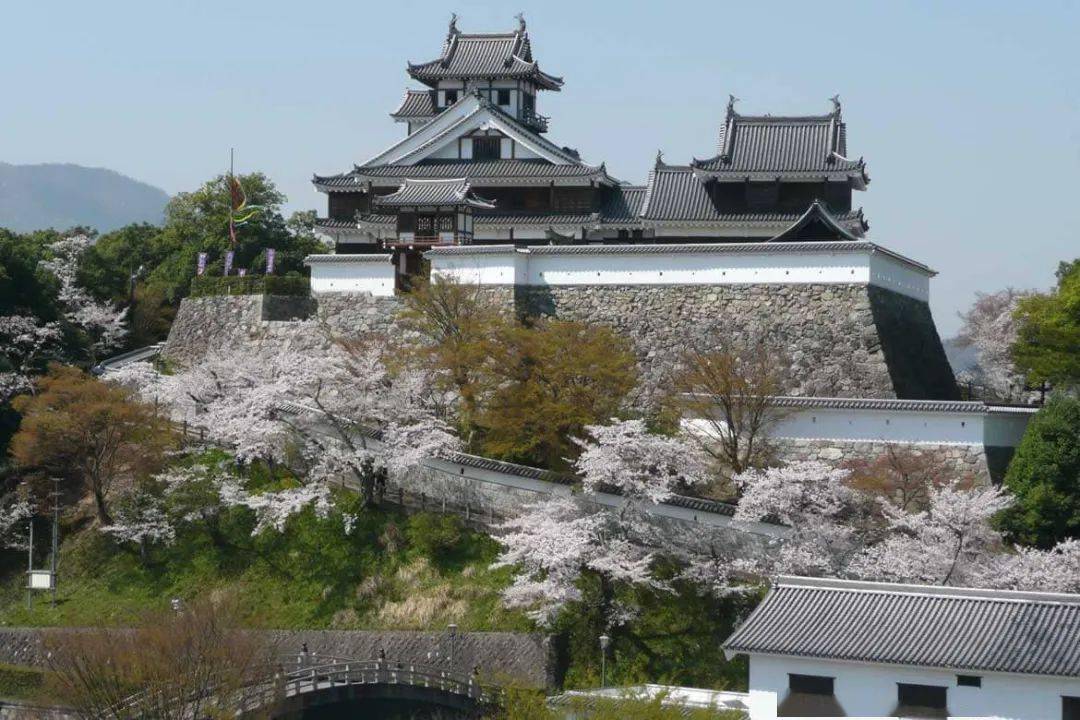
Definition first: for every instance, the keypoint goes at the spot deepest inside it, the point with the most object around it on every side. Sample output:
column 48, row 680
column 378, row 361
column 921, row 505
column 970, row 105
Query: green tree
column 1044, row 475
column 550, row 380
column 1048, row 345
column 199, row 222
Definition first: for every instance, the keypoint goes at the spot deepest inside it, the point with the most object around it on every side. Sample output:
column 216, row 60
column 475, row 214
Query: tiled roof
column 817, row 223
column 349, row 258
column 334, row 224
column 784, row 146
column 416, row 104
column 624, row 203
column 951, row 406
column 678, row 193
column 479, row 172
column 485, row 55
column 483, row 463
column 454, row 191
column 916, row 625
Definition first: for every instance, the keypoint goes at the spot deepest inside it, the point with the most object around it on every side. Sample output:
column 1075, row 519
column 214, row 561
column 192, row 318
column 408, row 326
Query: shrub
column 205, row 285
column 435, row 536
column 1044, row 475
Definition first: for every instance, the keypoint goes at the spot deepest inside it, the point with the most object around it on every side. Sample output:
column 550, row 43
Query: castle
column 760, row 238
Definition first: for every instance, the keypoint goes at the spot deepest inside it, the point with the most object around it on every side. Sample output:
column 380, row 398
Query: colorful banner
column 228, row 261
column 270, row 255
column 241, row 272
column 202, row 264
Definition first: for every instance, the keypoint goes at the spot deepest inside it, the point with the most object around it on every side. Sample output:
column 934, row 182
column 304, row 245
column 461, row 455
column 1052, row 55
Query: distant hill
column 35, row 197
column 961, row 357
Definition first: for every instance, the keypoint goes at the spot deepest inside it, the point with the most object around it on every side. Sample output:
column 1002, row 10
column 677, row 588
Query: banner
column 270, row 261
column 241, row 272
column 202, row 264
column 228, row 261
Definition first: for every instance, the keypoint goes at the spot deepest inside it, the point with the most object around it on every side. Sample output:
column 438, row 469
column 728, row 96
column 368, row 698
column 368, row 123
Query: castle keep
column 761, row 238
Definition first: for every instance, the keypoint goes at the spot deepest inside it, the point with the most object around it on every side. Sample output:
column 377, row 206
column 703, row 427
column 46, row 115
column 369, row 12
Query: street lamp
column 605, row 643
column 452, row 627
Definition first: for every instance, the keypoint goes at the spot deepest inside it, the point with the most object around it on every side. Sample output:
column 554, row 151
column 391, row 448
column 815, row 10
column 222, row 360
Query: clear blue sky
column 967, row 113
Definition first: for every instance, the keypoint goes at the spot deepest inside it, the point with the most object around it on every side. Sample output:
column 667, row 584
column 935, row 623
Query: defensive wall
column 853, row 319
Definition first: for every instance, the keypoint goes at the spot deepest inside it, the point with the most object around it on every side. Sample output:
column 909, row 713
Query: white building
column 828, row 648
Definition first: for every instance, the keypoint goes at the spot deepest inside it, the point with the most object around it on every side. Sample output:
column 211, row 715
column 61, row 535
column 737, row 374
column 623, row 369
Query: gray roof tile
column 679, row 193
column 916, row 625
column 476, row 171
column 783, row 146
column 416, row 104
column 455, row 191
column 485, row 55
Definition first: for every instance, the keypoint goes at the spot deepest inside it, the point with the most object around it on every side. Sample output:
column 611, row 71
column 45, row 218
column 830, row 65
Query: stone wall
column 208, row 325
column 528, row 658
column 842, row 340
column 973, row 462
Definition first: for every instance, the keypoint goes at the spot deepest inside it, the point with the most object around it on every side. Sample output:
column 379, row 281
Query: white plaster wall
column 708, row 268
column 502, row 268
column 939, row 428
column 1004, row 429
column 870, row 690
column 893, row 274
column 697, row 268
column 376, row 278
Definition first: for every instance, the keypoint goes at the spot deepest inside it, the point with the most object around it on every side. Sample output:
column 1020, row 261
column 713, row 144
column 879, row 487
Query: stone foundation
column 842, row 340
column 975, row 462
column 209, row 325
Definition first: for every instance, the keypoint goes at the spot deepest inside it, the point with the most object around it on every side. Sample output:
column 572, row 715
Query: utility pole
column 55, row 536
column 605, row 642
column 30, row 564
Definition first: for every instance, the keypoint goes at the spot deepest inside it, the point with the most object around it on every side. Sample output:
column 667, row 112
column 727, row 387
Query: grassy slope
column 386, row 574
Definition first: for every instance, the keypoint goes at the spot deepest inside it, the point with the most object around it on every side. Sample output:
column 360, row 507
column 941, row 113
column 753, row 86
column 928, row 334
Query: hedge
column 20, row 683
column 204, row 285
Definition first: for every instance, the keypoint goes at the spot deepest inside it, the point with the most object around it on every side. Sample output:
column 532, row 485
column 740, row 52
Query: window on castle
column 503, row 98
column 1070, row 708
column 451, row 97
column 925, row 701
column 810, row 684
column 486, row 148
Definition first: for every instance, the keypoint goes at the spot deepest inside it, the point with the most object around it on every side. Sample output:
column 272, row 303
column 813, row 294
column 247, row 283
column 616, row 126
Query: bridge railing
column 303, row 673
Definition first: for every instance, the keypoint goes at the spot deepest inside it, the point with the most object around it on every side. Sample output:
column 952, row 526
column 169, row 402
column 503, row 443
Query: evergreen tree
column 1045, row 477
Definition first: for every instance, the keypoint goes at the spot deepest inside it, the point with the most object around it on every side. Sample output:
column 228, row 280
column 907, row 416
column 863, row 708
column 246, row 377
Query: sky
column 968, row 113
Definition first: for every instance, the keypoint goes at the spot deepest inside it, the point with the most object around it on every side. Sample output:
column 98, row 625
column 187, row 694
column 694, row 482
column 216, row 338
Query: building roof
column 894, row 405
column 455, row 191
column 478, row 172
column 416, row 105
column 679, row 194
column 915, row 625
column 766, row 147
column 486, row 56
column 817, row 223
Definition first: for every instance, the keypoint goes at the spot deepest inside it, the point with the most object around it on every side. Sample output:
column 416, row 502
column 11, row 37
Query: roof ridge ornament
column 453, row 29
column 835, row 100
column 659, row 158
column 731, row 104
column 520, row 17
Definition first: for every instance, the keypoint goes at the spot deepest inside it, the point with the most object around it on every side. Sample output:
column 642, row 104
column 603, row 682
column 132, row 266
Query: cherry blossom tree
column 555, row 541
column 990, row 328
column 814, row 500
column 14, row 514
column 105, row 324
column 25, row 343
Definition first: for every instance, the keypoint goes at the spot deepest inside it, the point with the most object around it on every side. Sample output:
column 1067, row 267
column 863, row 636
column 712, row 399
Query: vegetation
column 193, row 663
column 250, row 285
column 1045, row 477
column 1048, row 348
column 524, row 391
column 730, row 391
column 22, row 683
column 522, row 704
column 87, row 433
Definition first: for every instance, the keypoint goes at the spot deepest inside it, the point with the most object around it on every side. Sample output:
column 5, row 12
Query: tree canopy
column 1045, row 477
column 1048, row 348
